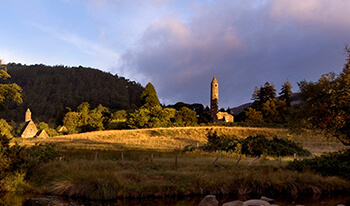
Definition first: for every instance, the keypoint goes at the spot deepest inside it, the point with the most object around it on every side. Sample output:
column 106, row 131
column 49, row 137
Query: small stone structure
column 42, row 134
column 62, row 130
column 224, row 117
column 29, row 129
column 217, row 116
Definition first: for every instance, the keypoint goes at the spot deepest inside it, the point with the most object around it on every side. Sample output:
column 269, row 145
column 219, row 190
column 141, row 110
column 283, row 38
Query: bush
column 18, row 161
column 330, row 164
column 252, row 146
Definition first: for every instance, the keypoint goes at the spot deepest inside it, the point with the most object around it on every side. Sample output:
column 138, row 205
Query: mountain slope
column 49, row 90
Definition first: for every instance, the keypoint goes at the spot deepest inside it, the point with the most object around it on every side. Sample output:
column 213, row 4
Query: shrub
column 330, row 164
column 252, row 145
column 18, row 161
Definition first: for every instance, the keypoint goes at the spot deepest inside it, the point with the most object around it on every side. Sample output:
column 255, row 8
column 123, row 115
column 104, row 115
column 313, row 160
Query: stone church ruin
column 29, row 129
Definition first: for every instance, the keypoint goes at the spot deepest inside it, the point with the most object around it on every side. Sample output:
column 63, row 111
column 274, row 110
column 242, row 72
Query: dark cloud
column 242, row 43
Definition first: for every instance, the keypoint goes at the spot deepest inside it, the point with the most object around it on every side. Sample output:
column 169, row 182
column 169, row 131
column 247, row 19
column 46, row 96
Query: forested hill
column 49, row 90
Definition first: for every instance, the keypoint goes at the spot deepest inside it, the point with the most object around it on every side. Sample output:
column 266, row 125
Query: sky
column 179, row 46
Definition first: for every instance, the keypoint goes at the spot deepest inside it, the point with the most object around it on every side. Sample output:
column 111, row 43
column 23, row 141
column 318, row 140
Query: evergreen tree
column 149, row 97
column 266, row 92
column 286, row 93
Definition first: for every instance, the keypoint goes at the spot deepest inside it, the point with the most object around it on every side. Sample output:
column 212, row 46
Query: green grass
column 148, row 169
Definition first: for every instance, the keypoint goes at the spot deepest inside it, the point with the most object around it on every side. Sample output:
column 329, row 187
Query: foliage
column 326, row 103
column 18, row 161
column 50, row 131
column 253, row 117
column 202, row 113
column 266, row 92
column 151, row 114
column 286, row 93
column 185, row 117
column 149, row 98
column 266, row 108
column 5, row 129
column 274, row 111
column 252, row 146
column 85, row 120
column 11, row 92
column 329, row 164
column 49, row 90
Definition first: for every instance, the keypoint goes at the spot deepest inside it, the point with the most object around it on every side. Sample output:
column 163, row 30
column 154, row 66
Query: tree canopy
column 326, row 103
column 149, row 97
column 11, row 92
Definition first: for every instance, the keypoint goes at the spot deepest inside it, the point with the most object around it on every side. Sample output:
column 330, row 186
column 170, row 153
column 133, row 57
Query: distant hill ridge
column 48, row 90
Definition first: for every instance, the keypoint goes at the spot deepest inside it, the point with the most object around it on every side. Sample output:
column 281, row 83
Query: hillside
column 49, row 90
column 175, row 138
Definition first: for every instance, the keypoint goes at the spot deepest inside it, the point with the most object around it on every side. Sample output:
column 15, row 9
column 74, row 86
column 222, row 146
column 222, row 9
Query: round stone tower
column 214, row 99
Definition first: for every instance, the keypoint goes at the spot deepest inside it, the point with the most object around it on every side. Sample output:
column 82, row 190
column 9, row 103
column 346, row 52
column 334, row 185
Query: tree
column 185, row 117
column 149, row 97
column 274, row 111
column 286, row 93
column 44, row 126
column 266, row 92
column 139, row 119
column 326, row 103
column 85, row 120
column 12, row 92
column 254, row 117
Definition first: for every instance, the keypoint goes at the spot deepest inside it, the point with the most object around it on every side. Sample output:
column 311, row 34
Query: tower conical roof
column 214, row 80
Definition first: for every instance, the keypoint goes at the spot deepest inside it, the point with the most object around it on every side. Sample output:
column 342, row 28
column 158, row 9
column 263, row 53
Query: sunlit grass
column 177, row 138
column 150, row 163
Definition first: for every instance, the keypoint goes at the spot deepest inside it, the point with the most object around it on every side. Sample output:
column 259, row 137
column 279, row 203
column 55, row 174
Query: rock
column 37, row 201
column 256, row 203
column 209, row 200
column 266, row 199
column 234, row 203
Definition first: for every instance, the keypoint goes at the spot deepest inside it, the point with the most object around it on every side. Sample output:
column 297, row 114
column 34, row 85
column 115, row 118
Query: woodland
column 50, row 91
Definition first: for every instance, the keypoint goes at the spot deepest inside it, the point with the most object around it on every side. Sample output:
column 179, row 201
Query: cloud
column 244, row 44
column 333, row 14
column 93, row 49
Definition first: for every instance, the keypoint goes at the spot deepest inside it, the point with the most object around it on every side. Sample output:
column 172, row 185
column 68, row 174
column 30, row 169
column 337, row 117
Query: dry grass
column 141, row 163
column 107, row 179
column 177, row 138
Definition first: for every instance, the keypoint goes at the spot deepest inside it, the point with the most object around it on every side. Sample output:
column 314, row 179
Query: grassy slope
column 141, row 163
column 177, row 138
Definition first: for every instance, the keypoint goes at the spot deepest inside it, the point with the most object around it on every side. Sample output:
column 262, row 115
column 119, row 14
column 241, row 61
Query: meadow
column 150, row 163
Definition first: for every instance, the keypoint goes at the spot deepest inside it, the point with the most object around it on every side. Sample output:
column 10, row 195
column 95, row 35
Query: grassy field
column 168, row 139
column 150, row 163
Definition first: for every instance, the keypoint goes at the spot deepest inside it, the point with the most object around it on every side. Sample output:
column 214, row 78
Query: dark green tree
column 149, row 97
column 286, row 93
column 253, row 117
column 266, row 92
column 274, row 111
